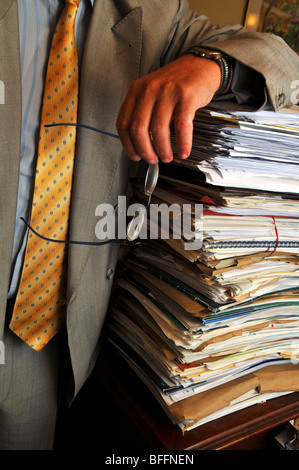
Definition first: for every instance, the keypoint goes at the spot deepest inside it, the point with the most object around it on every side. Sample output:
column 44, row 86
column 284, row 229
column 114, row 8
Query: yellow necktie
column 39, row 311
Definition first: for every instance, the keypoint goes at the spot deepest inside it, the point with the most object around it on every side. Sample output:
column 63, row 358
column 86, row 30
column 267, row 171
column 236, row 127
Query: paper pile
column 214, row 329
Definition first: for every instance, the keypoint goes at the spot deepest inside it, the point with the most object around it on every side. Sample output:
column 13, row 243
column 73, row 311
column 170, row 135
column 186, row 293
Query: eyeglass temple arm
column 83, row 125
column 152, row 172
column 73, row 242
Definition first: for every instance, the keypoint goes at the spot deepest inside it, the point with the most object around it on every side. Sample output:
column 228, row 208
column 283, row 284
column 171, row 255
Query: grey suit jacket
column 126, row 39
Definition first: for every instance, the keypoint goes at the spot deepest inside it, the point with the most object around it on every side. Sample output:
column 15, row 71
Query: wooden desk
column 248, row 429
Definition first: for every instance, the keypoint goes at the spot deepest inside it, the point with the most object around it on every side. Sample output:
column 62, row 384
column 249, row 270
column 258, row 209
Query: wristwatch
column 223, row 62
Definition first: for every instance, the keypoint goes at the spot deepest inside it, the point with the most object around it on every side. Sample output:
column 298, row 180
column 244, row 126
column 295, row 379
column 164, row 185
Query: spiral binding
column 253, row 244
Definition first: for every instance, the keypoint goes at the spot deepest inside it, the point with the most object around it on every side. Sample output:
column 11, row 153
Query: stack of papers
column 214, row 329
column 249, row 150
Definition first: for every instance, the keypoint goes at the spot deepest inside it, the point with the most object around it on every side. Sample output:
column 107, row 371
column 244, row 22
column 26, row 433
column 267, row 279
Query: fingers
column 123, row 125
column 183, row 125
column 160, row 130
column 139, row 135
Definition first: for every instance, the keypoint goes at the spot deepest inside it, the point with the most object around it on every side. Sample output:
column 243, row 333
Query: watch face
column 206, row 52
column 210, row 53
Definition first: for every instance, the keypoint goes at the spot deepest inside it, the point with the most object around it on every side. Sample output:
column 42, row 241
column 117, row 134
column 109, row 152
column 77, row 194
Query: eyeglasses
column 133, row 229
column 151, row 178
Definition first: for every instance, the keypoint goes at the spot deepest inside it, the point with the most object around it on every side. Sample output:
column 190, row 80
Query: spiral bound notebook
column 253, row 244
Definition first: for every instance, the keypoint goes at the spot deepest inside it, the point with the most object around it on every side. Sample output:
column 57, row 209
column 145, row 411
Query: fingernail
column 152, row 162
column 135, row 158
column 183, row 156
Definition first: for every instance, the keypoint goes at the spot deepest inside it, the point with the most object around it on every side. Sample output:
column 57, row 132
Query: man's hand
column 175, row 91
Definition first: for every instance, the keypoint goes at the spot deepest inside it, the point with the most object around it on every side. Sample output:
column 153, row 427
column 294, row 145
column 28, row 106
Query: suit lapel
column 105, row 79
column 10, row 137
column 5, row 6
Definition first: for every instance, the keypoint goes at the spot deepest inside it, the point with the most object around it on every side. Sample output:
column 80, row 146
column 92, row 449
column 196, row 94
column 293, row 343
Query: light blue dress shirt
column 37, row 22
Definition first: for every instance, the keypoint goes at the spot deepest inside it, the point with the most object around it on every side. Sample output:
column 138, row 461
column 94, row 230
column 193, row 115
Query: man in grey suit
column 135, row 76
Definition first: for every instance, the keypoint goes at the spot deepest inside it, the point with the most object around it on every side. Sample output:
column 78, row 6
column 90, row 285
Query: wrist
column 225, row 65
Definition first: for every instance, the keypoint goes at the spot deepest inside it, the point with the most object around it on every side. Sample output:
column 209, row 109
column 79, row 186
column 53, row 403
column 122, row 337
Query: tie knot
column 73, row 2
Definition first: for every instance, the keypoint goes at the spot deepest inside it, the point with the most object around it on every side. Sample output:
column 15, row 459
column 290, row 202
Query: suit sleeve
column 267, row 65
